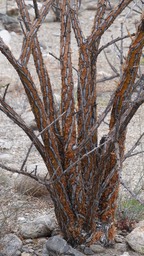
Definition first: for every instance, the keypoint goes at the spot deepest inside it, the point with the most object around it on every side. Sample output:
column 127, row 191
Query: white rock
column 125, row 254
column 40, row 227
column 136, row 239
column 6, row 37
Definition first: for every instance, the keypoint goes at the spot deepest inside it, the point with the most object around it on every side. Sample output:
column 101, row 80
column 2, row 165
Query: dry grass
column 27, row 186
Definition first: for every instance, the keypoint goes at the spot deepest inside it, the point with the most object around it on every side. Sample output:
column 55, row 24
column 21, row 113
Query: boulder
column 40, row 227
column 10, row 244
column 136, row 239
column 56, row 245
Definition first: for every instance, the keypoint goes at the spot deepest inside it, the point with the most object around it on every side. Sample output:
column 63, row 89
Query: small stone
column 18, row 253
column 119, row 239
column 74, row 252
column 25, row 249
column 97, row 248
column 125, row 254
column 41, row 241
column 31, row 250
column 28, row 241
column 25, row 254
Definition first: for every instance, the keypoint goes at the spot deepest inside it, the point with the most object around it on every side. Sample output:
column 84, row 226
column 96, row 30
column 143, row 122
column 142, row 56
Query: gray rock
column 11, row 24
column 28, row 241
column 10, row 244
column 57, row 245
column 88, row 251
column 74, row 252
column 39, row 227
column 97, row 248
column 119, row 239
column 18, row 253
column 122, row 247
column 136, row 239
column 45, row 252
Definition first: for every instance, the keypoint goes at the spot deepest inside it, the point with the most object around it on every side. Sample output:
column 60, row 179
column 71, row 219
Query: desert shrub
column 129, row 212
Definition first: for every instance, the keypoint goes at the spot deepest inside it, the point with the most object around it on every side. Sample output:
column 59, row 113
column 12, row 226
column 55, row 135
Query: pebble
column 28, row 241
column 88, row 251
column 25, row 254
column 119, row 239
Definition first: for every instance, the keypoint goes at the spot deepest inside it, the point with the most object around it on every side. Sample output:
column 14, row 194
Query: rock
column 10, row 244
column 6, row 37
column 122, row 247
column 40, row 227
column 11, row 24
column 125, row 254
column 136, row 239
column 28, row 241
column 88, row 251
column 25, row 254
column 119, row 239
column 57, row 245
column 74, row 252
column 140, row 224
column 97, row 248
column 18, row 253
column 12, row 10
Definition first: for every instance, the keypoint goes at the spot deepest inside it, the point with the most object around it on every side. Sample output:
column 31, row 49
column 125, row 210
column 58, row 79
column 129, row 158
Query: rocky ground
column 21, row 199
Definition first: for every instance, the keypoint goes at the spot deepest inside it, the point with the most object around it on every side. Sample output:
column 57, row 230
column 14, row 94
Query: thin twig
column 5, row 92
column 131, row 192
column 29, row 150
column 53, row 55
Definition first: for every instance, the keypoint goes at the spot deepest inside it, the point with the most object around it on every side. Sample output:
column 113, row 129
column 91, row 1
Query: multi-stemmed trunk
column 84, row 174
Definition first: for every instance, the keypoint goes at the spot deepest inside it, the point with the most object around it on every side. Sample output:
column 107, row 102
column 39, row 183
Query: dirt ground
column 13, row 141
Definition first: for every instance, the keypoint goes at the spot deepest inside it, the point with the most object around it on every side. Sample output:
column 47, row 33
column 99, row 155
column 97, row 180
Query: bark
column 84, row 176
